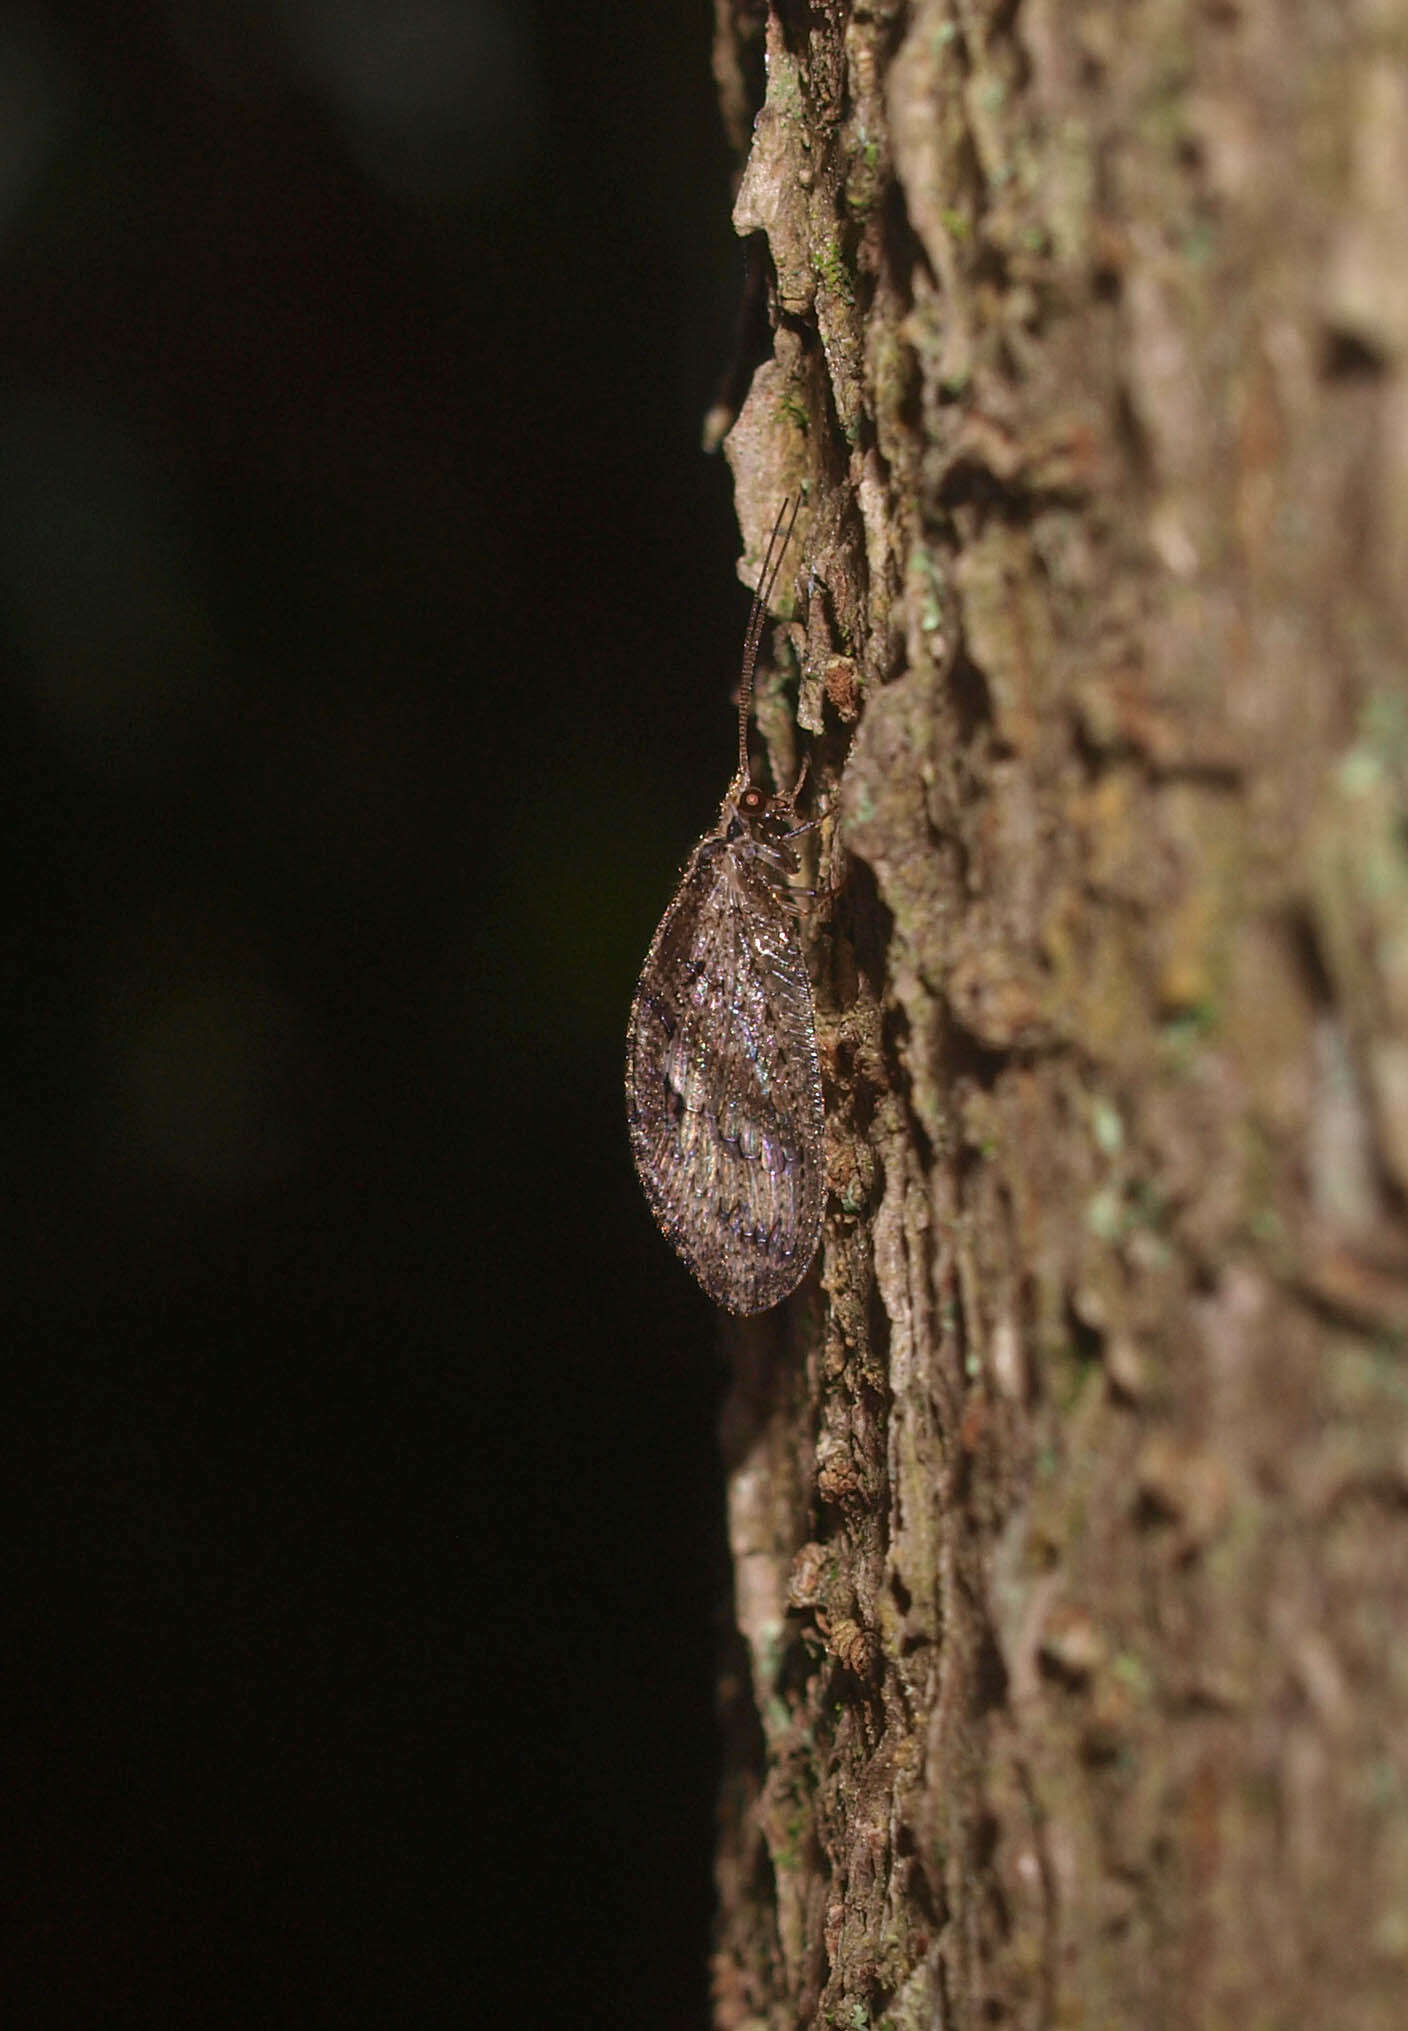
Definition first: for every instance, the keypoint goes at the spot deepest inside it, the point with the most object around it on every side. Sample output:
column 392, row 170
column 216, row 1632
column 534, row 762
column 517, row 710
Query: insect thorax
column 755, row 830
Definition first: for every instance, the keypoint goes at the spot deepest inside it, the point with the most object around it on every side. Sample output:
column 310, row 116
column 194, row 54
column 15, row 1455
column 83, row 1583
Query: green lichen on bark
column 1068, row 1512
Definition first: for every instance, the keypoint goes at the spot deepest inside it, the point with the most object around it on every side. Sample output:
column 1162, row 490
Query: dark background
column 368, row 620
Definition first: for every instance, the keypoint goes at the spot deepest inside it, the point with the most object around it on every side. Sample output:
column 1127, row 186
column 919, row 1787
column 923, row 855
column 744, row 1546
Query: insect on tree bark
column 723, row 1083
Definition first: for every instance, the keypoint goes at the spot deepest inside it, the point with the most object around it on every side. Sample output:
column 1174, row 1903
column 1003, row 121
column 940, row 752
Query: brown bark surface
column 1069, row 1504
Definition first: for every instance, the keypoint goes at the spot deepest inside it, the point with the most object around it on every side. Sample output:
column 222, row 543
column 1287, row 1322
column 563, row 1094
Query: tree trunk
column 1069, row 1511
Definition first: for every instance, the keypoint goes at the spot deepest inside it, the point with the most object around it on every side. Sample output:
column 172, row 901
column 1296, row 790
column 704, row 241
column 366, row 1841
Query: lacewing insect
column 723, row 1086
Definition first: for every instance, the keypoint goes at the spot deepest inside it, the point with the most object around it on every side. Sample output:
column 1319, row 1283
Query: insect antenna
column 757, row 620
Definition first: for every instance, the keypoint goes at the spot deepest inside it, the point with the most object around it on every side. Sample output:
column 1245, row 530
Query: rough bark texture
column 1070, row 1509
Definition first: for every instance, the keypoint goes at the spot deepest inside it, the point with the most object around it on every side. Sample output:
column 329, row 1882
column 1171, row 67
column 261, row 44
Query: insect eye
column 753, row 801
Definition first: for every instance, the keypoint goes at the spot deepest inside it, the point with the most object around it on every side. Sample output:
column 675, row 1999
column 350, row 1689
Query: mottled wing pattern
column 723, row 1085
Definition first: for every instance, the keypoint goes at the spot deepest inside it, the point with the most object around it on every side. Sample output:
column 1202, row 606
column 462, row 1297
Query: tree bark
column 1069, row 1503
